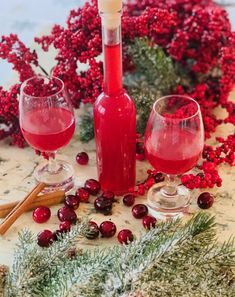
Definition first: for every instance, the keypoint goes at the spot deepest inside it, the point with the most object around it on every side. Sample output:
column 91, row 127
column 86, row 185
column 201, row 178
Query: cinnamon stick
column 20, row 208
column 49, row 199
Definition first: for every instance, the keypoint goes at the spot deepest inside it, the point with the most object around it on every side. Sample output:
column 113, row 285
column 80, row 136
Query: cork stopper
column 110, row 13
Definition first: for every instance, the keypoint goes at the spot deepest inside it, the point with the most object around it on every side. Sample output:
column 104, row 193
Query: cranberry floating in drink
column 174, row 140
column 47, row 123
column 114, row 110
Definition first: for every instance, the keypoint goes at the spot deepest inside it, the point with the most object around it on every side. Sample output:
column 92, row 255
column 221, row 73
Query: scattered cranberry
column 93, row 231
column 41, row 214
column 67, row 214
column 125, row 236
column 65, row 226
column 82, row 194
column 205, row 200
column 139, row 211
column 71, row 201
column 159, row 177
column 139, row 151
column 128, row 200
column 108, row 195
column 82, row 158
column 107, row 229
column 45, row 238
column 92, row 186
column 149, row 222
column 103, row 205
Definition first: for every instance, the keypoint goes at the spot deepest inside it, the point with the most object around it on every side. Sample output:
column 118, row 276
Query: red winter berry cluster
column 195, row 34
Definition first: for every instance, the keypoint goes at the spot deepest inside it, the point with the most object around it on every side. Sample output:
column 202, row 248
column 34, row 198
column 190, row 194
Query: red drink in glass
column 174, row 140
column 174, row 154
column 48, row 129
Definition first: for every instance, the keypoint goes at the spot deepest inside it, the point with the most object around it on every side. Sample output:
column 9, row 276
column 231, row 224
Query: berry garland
column 196, row 38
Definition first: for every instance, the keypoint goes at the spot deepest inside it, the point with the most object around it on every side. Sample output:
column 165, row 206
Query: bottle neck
column 112, row 50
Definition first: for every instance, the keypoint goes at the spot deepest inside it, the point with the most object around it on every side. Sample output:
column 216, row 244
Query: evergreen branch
column 86, row 128
column 33, row 264
column 169, row 260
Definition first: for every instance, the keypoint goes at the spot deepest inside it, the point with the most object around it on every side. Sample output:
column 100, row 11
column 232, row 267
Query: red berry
column 65, row 226
column 159, row 177
column 93, row 231
column 139, row 151
column 67, row 214
column 125, row 236
column 128, row 200
column 82, row 194
column 108, row 195
column 41, row 214
column 107, row 229
column 45, row 238
column 71, row 201
column 139, row 211
column 149, row 222
column 205, row 200
column 103, row 205
column 82, row 158
column 92, row 186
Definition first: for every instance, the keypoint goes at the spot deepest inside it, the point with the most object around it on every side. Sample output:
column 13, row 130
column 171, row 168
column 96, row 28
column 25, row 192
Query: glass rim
column 179, row 96
column 23, row 85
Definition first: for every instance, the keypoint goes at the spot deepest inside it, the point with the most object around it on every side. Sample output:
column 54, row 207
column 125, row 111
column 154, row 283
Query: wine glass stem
column 170, row 189
column 52, row 164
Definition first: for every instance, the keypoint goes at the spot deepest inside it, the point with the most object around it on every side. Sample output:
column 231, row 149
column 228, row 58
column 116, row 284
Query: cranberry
column 82, row 194
column 103, row 205
column 149, row 222
column 92, row 186
column 205, row 200
column 67, row 214
column 65, row 226
column 159, row 177
column 93, row 231
column 125, row 236
column 71, row 201
column 107, row 229
column 108, row 195
column 139, row 211
column 140, row 151
column 41, row 214
column 82, row 158
column 128, row 200
column 45, row 238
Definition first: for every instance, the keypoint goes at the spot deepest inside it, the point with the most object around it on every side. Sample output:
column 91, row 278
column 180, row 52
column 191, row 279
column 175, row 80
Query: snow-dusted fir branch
column 170, row 260
column 33, row 264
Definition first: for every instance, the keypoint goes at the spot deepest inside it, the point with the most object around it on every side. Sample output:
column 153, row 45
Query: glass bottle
column 114, row 110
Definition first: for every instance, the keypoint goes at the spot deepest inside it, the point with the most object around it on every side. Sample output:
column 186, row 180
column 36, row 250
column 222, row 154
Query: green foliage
column 169, row 260
column 154, row 70
column 86, row 128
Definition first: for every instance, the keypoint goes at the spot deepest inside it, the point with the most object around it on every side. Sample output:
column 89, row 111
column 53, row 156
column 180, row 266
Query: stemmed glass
column 174, row 140
column 47, row 123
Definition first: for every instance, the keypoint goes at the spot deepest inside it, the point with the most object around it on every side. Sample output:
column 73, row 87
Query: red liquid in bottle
column 173, row 155
column 48, row 129
column 115, row 128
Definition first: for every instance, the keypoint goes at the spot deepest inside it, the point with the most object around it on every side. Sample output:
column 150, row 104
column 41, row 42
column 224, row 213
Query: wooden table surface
column 17, row 165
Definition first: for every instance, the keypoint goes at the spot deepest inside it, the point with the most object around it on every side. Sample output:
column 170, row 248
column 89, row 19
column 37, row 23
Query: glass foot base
column 165, row 206
column 61, row 178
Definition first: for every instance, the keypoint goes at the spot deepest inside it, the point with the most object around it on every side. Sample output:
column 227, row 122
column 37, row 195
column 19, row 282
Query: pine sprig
column 170, row 260
column 153, row 68
column 36, row 265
